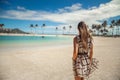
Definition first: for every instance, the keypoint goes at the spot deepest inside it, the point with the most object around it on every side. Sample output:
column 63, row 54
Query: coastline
column 60, row 35
column 17, row 34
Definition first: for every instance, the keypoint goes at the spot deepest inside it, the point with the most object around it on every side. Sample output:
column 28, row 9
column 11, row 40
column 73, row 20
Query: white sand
column 54, row 63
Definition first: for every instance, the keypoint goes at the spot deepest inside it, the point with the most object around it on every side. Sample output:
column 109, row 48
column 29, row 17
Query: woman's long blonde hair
column 84, row 34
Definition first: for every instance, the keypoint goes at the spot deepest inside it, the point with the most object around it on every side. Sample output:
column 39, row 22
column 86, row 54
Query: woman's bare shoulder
column 75, row 39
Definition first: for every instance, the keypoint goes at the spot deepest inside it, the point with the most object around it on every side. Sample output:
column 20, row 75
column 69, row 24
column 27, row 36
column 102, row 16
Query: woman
column 83, row 63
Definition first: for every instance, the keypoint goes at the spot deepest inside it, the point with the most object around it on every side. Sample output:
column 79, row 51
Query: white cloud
column 74, row 7
column 20, row 8
column 68, row 15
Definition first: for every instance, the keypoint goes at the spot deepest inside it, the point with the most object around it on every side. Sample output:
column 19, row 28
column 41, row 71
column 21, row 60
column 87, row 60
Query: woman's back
column 81, row 49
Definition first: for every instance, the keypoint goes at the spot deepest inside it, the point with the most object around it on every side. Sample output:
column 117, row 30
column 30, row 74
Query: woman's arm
column 91, row 52
column 74, row 49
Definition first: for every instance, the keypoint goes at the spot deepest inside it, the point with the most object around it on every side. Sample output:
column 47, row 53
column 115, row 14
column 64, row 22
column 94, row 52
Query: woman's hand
column 74, row 58
column 90, row 60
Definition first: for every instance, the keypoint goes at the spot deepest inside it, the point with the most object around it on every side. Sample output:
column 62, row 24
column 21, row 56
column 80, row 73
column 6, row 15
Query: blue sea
column 34, row 40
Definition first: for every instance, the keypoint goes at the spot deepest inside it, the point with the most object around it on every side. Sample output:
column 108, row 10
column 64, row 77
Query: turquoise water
column 21, row 40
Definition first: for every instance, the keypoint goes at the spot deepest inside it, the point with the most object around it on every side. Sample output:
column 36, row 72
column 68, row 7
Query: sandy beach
column 55, row 62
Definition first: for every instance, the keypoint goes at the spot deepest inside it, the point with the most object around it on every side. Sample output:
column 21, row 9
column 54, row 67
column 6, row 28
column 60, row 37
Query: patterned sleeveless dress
column 82, row 66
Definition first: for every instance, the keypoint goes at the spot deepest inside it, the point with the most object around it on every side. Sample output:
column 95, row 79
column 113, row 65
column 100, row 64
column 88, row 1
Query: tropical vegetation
column 103, row 29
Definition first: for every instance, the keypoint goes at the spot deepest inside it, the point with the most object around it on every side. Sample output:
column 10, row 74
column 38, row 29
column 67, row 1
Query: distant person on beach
column 83, row 62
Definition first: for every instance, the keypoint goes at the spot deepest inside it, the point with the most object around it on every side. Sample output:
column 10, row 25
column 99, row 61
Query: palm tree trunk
column 43, row 30
column 31, row 30
column 98, row 32
column 112, row 31
column 56, row 33
column 118, row 31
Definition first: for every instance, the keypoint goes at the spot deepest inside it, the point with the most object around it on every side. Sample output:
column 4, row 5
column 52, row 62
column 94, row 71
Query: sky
column 21, row 13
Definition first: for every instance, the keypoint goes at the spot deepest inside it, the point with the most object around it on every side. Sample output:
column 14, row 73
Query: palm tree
column 106, row 30
column 90, row 31
column 113, row 23
column 111, row 27
column 94, row 28
column 43, row 25
column 31, row 26
column 118, row 25
column 98, row 28
column 64, row 28
column 104, row 24
column 70, row 28
column 102, row 31
column 1, row 26
column 56, row 30
column 36, row 27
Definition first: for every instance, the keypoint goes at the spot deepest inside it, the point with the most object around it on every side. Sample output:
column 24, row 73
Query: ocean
column 34, row 40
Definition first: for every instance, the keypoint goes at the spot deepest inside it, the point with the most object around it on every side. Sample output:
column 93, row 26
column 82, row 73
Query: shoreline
column 17, row 34
column 59, row 35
